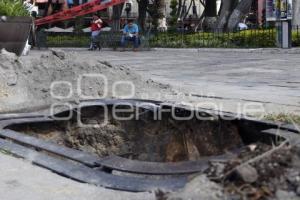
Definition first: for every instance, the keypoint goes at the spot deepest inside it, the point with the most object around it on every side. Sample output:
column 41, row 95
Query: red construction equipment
column 80, row 10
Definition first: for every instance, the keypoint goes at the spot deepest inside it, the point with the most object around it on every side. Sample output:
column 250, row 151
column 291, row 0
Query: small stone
column 218, row 168
column 298, row 191
column 293, row 176
column 44, row 90
column 247, row 173
column 281, row 194
column 252, row 147
column 12, row 83
column 12, row 80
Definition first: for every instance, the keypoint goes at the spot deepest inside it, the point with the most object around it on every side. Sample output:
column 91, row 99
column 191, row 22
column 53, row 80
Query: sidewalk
column 226, row 76
column 20, row 179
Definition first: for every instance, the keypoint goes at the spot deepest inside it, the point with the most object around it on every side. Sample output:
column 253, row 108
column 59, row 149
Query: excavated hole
column 145, row 139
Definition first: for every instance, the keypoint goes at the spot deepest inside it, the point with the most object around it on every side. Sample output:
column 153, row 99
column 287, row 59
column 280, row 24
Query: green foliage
column 296, row 38
column 241, row 39
column 12, row 8
column 261, row 38
column 68, row 41
column 284, row 117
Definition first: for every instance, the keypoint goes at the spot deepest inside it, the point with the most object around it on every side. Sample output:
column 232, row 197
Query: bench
column 107, row 39
column 113, row 40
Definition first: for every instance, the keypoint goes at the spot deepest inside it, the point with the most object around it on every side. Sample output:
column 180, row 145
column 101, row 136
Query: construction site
column 108, row 121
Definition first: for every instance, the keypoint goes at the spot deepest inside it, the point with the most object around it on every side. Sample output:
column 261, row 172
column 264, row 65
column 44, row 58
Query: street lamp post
column 281, row 12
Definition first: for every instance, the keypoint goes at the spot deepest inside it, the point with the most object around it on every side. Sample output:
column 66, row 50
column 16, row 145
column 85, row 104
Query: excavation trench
column 96, row 130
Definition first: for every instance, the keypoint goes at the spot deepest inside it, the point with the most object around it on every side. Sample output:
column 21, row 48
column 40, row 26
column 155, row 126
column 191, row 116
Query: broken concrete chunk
column 247, row 173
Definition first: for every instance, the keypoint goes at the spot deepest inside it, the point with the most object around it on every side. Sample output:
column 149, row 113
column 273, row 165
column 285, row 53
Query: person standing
column 130, row 33
column 96, row 26
column 70, row 3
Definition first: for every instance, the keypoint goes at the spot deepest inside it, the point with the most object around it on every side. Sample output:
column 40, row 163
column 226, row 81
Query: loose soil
column 25, row 82
column 165, row 140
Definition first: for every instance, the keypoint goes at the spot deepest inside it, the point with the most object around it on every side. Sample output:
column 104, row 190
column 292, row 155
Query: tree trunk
column 117, row 12
column 188, row 10
column 226, row 9
column 142, row 13
column 179, row 7
column 210, row 8
column 296, row 13
column 239, row 12
column 210, row 15
column 183, row 7
column 162, row 15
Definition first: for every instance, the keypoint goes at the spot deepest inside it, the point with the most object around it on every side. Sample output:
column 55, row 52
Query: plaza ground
column 228, row 77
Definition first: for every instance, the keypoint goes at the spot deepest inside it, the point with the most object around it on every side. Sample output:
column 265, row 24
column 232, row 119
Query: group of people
column 130, row 34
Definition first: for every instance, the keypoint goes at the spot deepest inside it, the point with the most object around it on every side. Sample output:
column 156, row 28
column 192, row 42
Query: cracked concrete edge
column 230, row 50
column 295, row 50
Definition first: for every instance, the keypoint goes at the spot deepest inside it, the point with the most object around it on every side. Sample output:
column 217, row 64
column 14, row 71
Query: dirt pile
column 157, row 141
column 144, row 139
column 10, row 69
column 26, row 82
column 274, row 176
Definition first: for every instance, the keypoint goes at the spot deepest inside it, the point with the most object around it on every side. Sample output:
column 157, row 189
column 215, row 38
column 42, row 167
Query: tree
column 210, row 14
column 155, row 9
column 230, row 14
column 117, row 12
column 142, row 6
column 210, row 8
column 227, row 8
column 173, row 14
column 162, row 12
column 238, row 13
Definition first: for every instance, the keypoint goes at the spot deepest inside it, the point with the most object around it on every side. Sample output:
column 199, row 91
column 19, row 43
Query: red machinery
column 80, row 10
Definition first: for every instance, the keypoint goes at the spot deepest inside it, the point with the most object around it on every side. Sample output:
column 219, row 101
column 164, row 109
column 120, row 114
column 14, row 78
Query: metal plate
column 293, row 139
column 154, row 168
column 85, row 174
column 79, row 156
column 5, row 123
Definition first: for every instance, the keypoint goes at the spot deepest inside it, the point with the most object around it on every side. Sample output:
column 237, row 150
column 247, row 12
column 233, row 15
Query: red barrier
column 80, row 10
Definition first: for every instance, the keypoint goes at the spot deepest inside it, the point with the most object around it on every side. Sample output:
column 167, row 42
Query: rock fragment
column 247, row 173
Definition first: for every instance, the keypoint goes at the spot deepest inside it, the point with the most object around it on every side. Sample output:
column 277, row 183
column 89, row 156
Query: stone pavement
column 225, row 76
